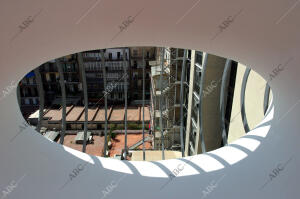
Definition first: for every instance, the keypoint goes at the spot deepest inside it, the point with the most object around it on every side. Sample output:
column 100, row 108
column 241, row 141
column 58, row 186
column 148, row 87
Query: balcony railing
column 166, row 100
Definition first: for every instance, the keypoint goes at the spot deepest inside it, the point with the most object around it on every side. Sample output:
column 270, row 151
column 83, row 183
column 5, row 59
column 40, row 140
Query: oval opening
column 201, row 101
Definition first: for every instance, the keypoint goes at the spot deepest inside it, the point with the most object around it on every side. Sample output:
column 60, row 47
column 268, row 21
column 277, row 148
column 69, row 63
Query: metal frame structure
column 166, row 100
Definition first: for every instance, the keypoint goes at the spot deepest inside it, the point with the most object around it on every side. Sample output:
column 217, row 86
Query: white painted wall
column 261, row 36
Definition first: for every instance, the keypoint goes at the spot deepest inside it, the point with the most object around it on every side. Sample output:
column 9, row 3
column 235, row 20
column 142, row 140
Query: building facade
column 137, row 56
column 116, row 70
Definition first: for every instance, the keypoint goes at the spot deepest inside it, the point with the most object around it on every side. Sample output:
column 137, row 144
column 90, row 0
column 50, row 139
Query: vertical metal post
column 175, row 95
column 105, row 100
column 160, row 104
column 63, row 100
column 243, row 91
column 181, row 100
column 144, row 65
column 203, row 148
column 19, row 94
column 125, row 91
column 222, row 100
column 39, row 82
column 266, row 98
column 175, row 92
column 85, row 96
column 192, row 104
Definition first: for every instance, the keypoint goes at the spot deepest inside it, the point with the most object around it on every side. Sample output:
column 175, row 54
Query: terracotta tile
column 74, row 114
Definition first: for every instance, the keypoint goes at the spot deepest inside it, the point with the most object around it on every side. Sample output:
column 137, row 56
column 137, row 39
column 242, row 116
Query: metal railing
column 162, row 105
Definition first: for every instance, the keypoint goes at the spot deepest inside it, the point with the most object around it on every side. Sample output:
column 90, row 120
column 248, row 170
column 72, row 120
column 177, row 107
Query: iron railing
column 199, row 123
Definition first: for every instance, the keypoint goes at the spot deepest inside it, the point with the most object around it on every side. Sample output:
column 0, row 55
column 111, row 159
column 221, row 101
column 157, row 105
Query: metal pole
column 105, row 100
column 266, row 98
column 181, row 101
column 19, row 94
column 175, row 95
column 175, row 92
column 41, row 97
column 85, row 96
column 63, row 98
column 125, row 91
column 160, row 104
column 203, row 148
column 222, row 100
column 243, row 91
column 144, row 154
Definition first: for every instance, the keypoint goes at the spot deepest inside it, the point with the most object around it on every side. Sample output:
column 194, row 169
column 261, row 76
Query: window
column 36, row 93
column 71, row 88
column 119, row 55
column 110, row 56
column 148, row 54
column 147, row 96
column 135, row 53
column 27, row 101
column 35, row 101
column 135, row 63
column 47, row 77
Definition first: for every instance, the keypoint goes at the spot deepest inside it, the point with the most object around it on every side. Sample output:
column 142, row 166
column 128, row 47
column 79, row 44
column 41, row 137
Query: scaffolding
column 169, row 87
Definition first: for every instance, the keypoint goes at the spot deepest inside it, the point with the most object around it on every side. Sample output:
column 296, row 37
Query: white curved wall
column 264, row 35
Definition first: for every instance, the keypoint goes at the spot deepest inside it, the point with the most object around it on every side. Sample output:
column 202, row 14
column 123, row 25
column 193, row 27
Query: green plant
column 113, row 135
column 133, row 126
column 120, row 127
column 109, row 135
column 113, row 127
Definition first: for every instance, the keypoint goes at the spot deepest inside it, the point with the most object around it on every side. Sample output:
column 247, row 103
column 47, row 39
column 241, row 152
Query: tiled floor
column 119, row 141
column 93, row 149
column 97, row 147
